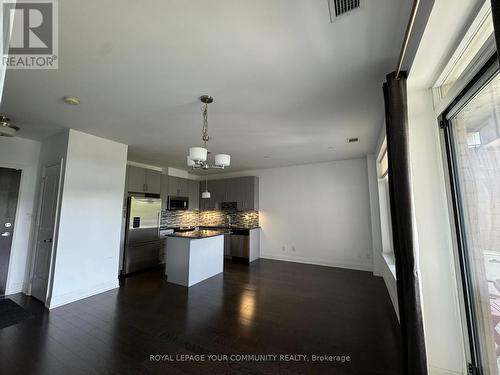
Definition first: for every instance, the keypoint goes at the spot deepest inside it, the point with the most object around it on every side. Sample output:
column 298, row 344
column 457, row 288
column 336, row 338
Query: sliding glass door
column 472, row 138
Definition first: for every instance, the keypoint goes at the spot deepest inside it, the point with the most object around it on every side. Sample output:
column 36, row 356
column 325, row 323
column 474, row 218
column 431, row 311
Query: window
column 473, row 147
column 477, row 45
column 384, row 203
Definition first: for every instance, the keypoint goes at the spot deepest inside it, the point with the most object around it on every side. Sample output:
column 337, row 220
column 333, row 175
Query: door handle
column 5, row 234
column 49, row 240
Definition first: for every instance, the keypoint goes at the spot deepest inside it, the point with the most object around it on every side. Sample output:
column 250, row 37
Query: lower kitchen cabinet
column 163, row 250
column 227, row 245
column 254, row 245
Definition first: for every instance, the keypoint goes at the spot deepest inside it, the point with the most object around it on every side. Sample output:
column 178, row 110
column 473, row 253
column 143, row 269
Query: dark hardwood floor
column 271, row 307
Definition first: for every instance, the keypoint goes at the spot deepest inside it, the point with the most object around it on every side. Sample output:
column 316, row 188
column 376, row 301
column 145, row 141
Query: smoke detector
column 339, row 8
column 6, row 128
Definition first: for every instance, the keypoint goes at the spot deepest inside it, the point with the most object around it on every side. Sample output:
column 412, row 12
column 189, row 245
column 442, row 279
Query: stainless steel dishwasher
column 240, row 243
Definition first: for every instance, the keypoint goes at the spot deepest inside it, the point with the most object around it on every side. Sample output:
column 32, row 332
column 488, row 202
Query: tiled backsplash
column 174, row 219
column 243, row 219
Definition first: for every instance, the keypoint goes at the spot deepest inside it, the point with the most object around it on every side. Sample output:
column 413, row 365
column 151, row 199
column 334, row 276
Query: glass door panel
column 474, row 137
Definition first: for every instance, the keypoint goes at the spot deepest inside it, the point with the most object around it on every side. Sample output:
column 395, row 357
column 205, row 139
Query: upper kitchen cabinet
column 164, row 191
column 244, row 191
column 141, row 180
column 153, row 181
column 207, row 204
column 178, row 187
column 136, row 179
column 194, row 194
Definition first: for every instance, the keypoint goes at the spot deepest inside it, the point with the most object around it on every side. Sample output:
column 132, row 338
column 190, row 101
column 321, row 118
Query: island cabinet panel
column 142, row 180
column 190, row 261
column 206, row 258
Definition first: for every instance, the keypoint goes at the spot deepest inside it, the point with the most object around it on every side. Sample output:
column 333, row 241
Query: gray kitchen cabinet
column 153, row 181
column 244, row 191
column 194, row 194
column 250, row 194
column 173, row 185
column 136, row 179
column 227, row 245
column 141, row 180
column 210, row 203
column 218, row 189
column 164, row 191
column 178, row 187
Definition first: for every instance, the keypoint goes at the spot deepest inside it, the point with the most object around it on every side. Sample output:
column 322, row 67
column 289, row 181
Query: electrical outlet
column 293, row 248
column 283, row 248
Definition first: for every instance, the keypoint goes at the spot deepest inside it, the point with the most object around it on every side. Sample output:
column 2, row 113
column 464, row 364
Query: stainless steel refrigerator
column 142, row 237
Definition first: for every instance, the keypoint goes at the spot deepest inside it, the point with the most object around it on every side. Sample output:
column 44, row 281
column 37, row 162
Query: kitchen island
column 194, row 256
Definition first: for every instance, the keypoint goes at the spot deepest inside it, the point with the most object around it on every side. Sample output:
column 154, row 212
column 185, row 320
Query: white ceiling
column 287, row 83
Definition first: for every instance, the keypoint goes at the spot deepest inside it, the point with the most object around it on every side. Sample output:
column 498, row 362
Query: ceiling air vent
column 340, row 7
column 352, row 140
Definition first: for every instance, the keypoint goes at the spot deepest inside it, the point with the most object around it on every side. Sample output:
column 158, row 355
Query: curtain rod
column 406, row 40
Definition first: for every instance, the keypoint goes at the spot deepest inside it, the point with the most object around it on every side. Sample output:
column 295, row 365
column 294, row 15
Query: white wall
column 88, row 247
column 21, row 154
column 443, row 331
column 322, row 210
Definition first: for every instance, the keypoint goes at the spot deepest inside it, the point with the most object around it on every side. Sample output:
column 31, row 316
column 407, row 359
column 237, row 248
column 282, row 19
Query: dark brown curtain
column 405, row 248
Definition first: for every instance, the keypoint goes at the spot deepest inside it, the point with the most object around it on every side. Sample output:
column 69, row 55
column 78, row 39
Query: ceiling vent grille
column 340, row 7
column 352, row 140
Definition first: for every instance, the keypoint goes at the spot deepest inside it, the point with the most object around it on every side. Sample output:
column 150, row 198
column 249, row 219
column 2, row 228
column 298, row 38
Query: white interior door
column 45, row 231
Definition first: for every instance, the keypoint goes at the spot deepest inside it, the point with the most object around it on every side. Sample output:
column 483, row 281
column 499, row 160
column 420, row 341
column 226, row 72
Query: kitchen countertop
column 229, row 228
column 197, row 234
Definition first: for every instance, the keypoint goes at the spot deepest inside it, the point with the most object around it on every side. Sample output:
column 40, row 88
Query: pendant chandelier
column 198, row 157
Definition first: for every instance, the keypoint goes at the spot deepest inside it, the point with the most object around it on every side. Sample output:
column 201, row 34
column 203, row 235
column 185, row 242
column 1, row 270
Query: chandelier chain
column 204, row 129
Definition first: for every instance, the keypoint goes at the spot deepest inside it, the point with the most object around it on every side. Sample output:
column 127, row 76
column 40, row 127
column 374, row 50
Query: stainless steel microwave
column 178, row 203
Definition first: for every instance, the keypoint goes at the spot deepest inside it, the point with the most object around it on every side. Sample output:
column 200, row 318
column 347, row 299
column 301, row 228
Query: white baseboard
column 357, row 267
column 66, row 298
column 433, row 370
column 15, row 288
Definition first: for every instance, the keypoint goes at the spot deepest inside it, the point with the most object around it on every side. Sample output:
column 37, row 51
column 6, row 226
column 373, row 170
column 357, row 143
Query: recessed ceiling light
column 72, row 100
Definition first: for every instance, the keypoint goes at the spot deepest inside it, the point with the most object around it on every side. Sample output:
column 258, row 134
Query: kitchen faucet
column 229, row 220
